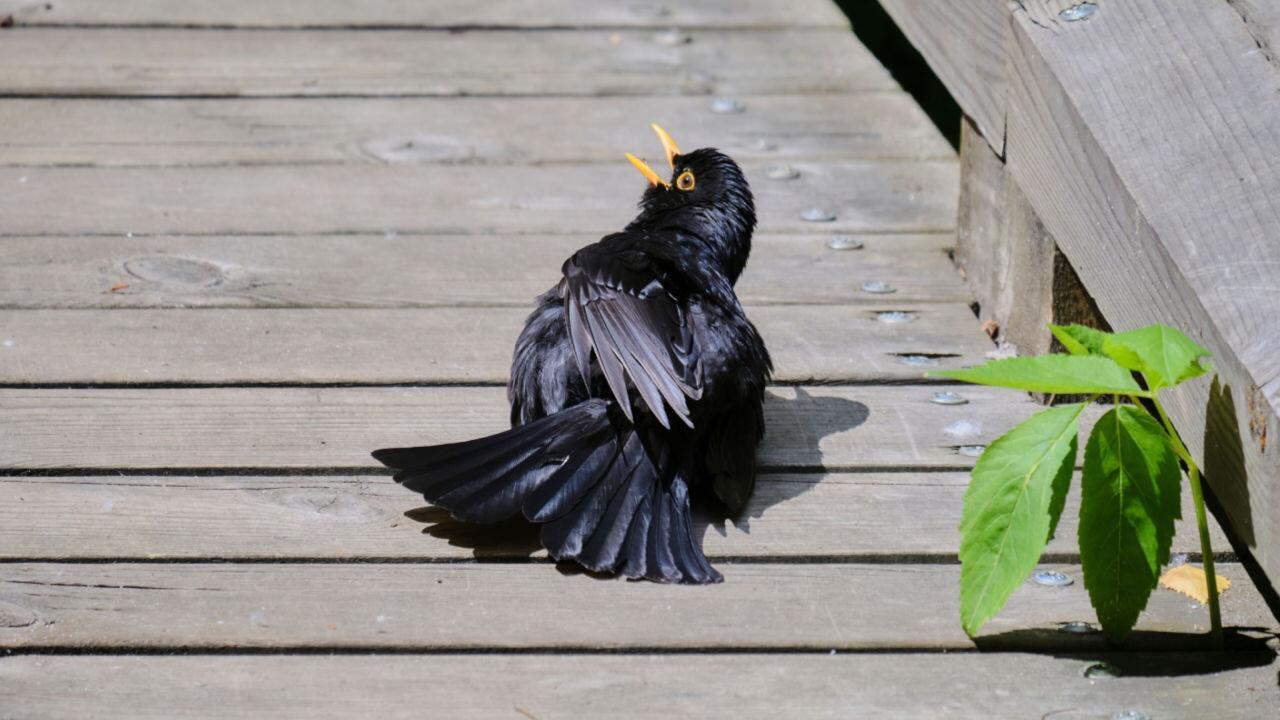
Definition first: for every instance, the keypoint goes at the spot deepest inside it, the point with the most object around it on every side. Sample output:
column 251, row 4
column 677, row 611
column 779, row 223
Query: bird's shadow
column 797, row 421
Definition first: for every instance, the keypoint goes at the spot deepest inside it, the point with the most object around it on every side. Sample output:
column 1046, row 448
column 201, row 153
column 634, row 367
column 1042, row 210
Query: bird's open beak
column 668, row 146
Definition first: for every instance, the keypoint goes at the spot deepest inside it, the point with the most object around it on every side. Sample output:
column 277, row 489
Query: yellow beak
column 668, row 146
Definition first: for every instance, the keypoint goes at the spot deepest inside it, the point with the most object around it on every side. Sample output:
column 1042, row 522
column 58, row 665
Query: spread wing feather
column 619, row 309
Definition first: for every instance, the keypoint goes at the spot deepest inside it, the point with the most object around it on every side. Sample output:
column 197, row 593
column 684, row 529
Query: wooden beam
column 1021, row 280
column 535, row 606
column 1142, row 137
column 963, row 41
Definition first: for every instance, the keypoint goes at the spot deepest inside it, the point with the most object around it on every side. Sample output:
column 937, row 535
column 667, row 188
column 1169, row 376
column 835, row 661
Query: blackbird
column 636, row 384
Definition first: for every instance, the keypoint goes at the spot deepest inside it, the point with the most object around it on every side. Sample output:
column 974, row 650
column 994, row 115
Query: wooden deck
column 243, row 243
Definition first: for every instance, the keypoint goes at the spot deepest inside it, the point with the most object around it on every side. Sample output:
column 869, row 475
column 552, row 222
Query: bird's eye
column 685, row 181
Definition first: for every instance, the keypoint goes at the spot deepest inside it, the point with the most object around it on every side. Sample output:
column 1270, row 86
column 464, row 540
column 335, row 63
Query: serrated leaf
column 1164, row 355
column 1079, row 339
column 1192, row 582
column 1011, row 509
column 1128, row 504
column 1058, row 374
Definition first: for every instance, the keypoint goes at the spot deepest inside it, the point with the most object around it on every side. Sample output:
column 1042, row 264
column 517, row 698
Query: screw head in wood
column 1130, row 715
column 1102, row 670
column 725, row 106
column 844, row 242
column 781, row 172
column 1079, row 11
column 894, row 317
column 815, row 214
column 970, row 450
column 763, row 145
column 1077, row 627
column 877, row 287
column 949, row 398
column 1051, row 578
column 671, row 37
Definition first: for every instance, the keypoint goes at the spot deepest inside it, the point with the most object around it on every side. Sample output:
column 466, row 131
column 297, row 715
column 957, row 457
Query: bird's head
column 707, row 196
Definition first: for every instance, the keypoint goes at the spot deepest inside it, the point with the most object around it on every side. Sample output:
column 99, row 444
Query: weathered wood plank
column 911, row 196
column 964, row 43
column 648, row 687
column 1021, row 280
column 228, row 63
column 501, row 606
column 1138, row 137
column 809, row 427
column 436, row 14
column 122, row 132
column 342, row 271
column 839, row 515
column 823, row 343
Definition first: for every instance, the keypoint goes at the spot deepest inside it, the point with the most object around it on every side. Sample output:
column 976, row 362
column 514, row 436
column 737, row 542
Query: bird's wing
column 618, row 306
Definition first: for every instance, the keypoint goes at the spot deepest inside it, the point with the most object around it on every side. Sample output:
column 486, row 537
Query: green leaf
column 1079, row 339
column 1128, row 504
column 1011, row 509
column 1164, row 355
column 1059, row 374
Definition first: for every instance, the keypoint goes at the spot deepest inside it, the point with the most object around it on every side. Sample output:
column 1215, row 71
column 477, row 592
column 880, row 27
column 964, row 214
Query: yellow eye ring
column 685, row 182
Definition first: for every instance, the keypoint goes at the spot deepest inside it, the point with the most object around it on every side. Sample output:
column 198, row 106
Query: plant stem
column 1202, row 524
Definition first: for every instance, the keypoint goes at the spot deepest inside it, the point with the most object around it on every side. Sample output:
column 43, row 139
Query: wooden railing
column 1141, row 140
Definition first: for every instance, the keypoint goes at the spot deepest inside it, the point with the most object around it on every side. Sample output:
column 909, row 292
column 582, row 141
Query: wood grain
column 131, row 132
column 1137, row 137
column 228, row 63
column 436, row 14
column 352, row 271
column 369, row 517
column 964, row 43
column 300, row 199
column 824, row 343
column 637, row 687
column 808, row 427
column 459, row 606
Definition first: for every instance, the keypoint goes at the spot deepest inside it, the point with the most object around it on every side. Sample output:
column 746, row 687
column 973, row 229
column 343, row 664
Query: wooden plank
column 127, row 132
column 916, row 196
column 1021, row 280
column 383, row 14
column 227, row 63
column 638, row 687
column 851, row 516
column 824, row 343
column 809, row 427
column 964, row 44
column 1137, row 136
column 507, row 606
column 344, row 271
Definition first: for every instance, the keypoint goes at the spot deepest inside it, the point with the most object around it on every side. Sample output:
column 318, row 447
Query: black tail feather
column 584, row 473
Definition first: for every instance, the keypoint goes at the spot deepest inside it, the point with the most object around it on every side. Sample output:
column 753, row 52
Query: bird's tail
column 584, row 475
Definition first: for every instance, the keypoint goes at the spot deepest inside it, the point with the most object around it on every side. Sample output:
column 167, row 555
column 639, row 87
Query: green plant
column 1130, row 484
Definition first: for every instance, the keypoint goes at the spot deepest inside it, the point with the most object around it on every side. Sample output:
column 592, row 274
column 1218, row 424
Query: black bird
column 637, row 382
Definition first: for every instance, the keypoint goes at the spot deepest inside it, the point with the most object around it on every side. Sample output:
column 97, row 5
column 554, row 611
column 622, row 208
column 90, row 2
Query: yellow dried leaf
column 1192, row 582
